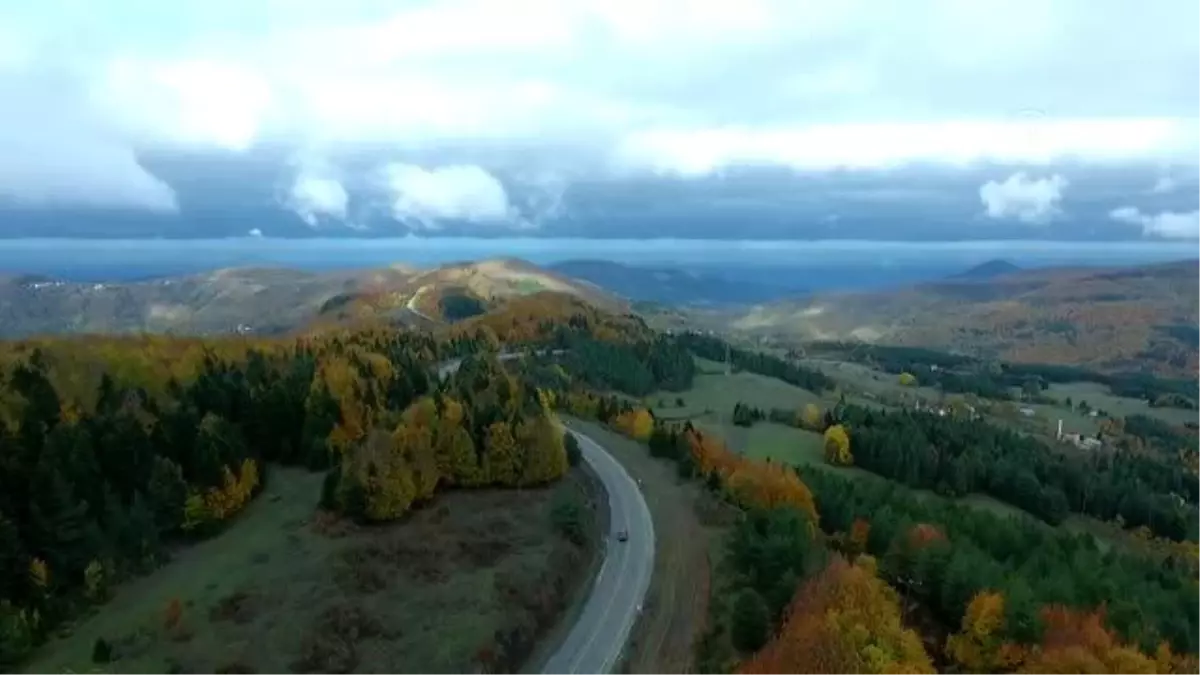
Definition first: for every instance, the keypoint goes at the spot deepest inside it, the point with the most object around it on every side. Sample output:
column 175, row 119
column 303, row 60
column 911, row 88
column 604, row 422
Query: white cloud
column 255, row 232
column 427, row 197
column 317, row 193
column 679, row 86
column 53, row 153
column 1031, row 201
column 1167, row 224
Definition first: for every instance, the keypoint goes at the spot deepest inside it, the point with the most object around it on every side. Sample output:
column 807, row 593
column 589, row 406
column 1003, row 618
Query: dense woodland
column 1149, row 594
column 957, row 456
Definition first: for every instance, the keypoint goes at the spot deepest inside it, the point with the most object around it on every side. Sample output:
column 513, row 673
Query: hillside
column 271, row 301
column 1104, row 318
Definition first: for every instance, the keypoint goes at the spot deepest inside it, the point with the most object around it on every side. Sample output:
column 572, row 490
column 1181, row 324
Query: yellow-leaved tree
column 978, row 646
column 837, row 446
column 908, row 380
column 811, row 417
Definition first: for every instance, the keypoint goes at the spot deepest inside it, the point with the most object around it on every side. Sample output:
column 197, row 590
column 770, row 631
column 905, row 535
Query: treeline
column 956, row 373
column 944, row 555
column 714, row 349
column 636, row 368
column 956, row 457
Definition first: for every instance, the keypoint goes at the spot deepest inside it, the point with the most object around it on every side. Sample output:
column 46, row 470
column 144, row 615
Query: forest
column 115, row 451
column 957, row 456
column 1148, row 596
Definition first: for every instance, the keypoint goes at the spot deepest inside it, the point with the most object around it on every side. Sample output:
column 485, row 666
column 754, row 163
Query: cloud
column 874, row 146
column 317, row 194
column 255, row 232
column 1034, row 202
column 52, row 153
column 680, row 86
column 1167, row 224
column 426, row 198
column 1164, row 185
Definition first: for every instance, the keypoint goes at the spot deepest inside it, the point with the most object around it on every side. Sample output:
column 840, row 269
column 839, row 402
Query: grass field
column 285, row 590
column 1099, row 396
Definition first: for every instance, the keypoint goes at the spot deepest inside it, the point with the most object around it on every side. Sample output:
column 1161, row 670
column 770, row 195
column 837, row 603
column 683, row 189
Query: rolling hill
column 271, row 300
column 1103, row 318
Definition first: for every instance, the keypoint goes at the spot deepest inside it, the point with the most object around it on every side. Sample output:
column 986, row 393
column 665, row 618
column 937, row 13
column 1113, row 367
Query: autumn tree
column 843, row 620
column 980, row 645
column 837, row 446
column 811, row 418
column 907, row 379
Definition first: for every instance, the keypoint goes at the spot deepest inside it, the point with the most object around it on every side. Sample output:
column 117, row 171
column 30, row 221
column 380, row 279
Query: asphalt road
column 596, row 641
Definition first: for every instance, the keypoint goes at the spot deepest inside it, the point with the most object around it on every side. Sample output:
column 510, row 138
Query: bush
column 750, row 621
column 574, row 456
column 101, row 651
column 567, row 517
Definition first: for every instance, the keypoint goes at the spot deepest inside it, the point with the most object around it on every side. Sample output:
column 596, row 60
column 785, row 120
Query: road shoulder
column 674, row 613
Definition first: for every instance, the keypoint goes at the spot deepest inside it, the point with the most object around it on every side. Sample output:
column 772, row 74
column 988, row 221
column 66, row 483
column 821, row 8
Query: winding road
column 596, row 641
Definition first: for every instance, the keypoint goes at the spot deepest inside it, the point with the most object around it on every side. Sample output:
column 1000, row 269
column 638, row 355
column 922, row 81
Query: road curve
column 596, row 641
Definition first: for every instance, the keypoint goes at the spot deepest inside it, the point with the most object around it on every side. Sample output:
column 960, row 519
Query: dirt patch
column 676, row 607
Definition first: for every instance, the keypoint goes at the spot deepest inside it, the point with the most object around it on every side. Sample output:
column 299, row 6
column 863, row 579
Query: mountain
column 1105, row 318
column 988, row 270
column 274, row 300
column 671, row 286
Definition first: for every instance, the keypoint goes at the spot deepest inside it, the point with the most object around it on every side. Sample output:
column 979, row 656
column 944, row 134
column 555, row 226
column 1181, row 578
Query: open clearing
column 286, row 589
column 687, row 523
column 716, row 393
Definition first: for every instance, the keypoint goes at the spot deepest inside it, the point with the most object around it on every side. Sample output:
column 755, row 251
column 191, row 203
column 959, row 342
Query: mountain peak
column 988, row 270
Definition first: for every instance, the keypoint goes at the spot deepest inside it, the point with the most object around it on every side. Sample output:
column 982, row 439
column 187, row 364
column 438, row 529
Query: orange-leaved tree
column 843, row 620
column 750, row 482
column 1077, row 641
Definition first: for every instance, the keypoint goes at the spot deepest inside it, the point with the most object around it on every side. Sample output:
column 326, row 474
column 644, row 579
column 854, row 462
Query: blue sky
column 362, row 118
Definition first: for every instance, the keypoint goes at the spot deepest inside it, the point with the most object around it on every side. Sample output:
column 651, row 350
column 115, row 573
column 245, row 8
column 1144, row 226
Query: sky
column 909, row 119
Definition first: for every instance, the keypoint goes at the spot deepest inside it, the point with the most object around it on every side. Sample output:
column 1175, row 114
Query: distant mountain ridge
column 988, row 270
column 1120, row 318
column 669, row 285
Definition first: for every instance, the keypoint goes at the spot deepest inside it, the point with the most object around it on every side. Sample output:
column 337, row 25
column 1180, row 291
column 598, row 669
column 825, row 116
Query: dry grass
column 286, row 590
